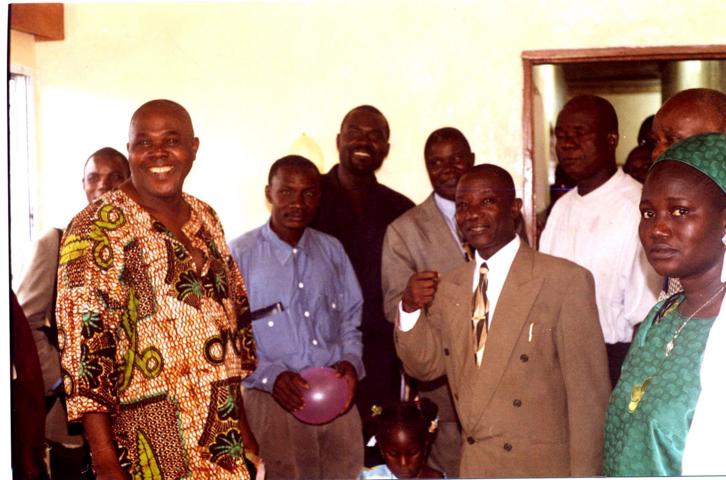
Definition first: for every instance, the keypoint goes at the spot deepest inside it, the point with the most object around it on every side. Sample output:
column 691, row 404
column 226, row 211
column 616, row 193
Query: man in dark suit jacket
column 532, row 399
column 425, row 241
column 356, row 209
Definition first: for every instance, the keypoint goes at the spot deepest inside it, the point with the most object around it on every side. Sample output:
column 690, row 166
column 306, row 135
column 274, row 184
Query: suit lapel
column 456, row 308
column 438, row 230
column 513, row 307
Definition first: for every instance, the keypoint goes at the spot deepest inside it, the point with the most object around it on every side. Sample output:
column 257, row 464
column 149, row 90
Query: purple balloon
column 325, row 398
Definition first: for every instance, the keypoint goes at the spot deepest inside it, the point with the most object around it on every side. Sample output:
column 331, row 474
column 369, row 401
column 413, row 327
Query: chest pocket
column 330, row 309
column 276, row 335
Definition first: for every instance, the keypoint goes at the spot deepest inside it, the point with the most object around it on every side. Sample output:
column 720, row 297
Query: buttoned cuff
column 406, row 320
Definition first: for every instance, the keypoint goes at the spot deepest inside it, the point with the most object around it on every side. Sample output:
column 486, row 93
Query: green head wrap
column 706, row 153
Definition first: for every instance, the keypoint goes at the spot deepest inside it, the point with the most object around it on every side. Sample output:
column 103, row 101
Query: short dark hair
column 370, row 109
column 292, row 161
column 604, row 109
column 445, row 134
column 489, row 169
column 108, row 152
column 645, row 130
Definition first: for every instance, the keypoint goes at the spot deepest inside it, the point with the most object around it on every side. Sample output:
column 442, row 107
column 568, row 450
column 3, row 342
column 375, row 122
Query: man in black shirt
column 356, row 209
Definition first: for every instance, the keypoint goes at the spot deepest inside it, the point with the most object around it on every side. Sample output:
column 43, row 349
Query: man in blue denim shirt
column 307, row 303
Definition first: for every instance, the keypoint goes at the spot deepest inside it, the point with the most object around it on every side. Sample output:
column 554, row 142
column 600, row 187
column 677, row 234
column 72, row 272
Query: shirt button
column 300, row 285
column 315, row 342
column 508, row 447
column 264, row 380
column 306, row 313
column 524, row 357
column 270, row 323
column 333, row 305
column 470, row 440
column 517, row 402
column 294, row 250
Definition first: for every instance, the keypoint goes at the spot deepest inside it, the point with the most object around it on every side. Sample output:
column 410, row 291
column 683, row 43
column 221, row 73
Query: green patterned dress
column 649, row 440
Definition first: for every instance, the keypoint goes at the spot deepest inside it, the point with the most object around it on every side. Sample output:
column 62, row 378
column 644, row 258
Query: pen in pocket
column 267, row 311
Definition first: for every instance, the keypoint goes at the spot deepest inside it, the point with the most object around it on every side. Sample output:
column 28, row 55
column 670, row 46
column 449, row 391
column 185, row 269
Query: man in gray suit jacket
column 104, row 170
column 531, row 393
column 422, row 242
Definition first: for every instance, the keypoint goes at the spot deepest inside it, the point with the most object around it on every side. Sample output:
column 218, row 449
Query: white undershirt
column 499, row 265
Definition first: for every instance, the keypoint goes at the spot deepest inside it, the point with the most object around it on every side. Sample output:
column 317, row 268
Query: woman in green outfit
column 682, row 229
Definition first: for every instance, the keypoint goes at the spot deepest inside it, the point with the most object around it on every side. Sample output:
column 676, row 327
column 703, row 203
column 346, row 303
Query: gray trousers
column 295, row 450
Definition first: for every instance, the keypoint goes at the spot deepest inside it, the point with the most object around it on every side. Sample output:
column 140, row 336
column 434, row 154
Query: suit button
column 470, row 440
column 446, row 352
column 524, row 357
column 517, row 402
column 508, row 447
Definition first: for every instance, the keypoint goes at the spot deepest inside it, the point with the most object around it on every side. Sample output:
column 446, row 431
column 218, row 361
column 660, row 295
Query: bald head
column 162, row 107
column 162, row 148
column 688, row 113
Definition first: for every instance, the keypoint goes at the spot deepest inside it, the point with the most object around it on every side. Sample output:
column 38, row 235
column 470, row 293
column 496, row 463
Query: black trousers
column 70, row 463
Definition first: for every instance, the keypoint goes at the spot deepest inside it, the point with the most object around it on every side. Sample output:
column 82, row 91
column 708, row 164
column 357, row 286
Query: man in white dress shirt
column 531, row 391
column 596, row 224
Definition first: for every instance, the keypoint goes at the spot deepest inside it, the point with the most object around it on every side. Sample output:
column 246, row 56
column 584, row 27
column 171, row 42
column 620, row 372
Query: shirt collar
column 281, row 249
column 446, row 207
column 606, row 189
column 501, row 261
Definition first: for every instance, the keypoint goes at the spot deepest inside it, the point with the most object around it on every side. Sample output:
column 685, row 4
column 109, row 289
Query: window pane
column 21, row 212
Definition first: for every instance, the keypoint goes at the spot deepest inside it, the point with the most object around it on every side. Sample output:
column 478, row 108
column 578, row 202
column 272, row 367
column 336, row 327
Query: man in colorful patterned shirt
column 153, row 319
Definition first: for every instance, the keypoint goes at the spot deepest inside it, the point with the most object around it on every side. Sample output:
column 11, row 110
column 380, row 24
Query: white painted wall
column 256, row 75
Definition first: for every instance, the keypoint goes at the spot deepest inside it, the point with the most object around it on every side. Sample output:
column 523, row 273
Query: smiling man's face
column 486, row 209
column 363, row 142
column 162, row 148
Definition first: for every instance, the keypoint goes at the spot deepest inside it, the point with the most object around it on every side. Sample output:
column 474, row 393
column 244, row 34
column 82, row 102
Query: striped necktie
column 480, row 314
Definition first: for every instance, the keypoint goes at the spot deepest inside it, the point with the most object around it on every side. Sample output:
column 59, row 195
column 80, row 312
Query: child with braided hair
column 404, row 433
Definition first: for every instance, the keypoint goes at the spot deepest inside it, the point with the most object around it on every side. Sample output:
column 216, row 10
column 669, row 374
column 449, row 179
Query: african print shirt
column 148, row 340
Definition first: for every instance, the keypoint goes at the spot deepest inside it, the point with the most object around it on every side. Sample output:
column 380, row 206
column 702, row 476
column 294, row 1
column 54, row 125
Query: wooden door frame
column 531, row 58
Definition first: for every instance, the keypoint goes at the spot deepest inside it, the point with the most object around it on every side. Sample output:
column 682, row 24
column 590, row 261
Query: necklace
column 672, row 343
column 639, row 389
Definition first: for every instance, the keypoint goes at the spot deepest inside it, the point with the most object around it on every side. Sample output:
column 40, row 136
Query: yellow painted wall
column 23, row 49
column 257, row 75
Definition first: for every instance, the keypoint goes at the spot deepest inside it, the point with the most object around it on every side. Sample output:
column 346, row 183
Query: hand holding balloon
column 328, row 395
column 346, row 370
column 288, row 390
